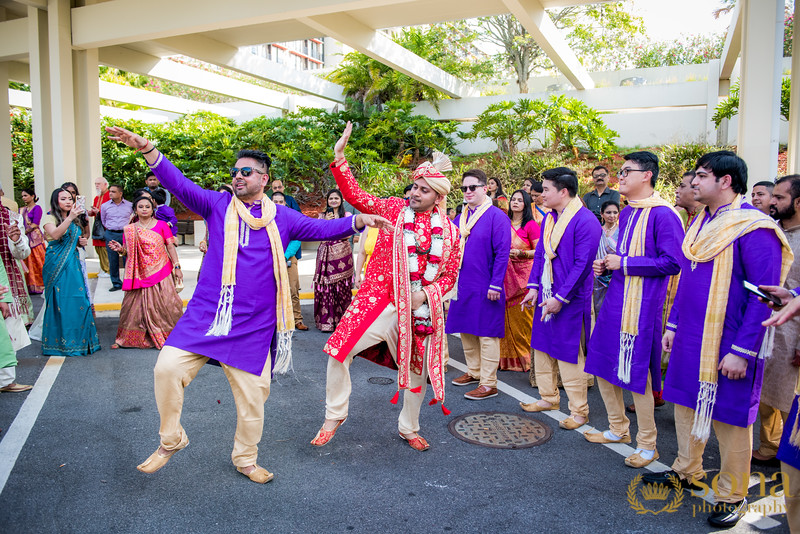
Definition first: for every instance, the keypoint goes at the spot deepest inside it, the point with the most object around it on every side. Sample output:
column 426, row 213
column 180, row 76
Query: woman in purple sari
column 333, row 278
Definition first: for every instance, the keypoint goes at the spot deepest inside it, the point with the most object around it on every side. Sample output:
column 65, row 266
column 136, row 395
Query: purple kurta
column 756, row 259
column 247, row 345
column 560, row 337
column 483, row 268
column 662, row 254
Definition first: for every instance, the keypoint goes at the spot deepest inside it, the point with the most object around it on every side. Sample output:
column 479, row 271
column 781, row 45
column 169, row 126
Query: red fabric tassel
column 396, row 397
column 432, row 402
column 416, row 389
column 445, row 410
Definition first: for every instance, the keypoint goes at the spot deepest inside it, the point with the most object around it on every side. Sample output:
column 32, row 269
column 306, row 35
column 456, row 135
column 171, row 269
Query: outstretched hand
column 127, row 137
column 338, row 149
column 373, row 221
column 792, row 309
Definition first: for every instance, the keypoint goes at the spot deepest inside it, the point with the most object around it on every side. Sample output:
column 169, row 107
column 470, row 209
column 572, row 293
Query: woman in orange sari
column 32, row 217
column 151, row 306
column 515, row 347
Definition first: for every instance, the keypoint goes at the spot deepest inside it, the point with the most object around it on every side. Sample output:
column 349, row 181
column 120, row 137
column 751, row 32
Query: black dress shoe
column 665, row 477
column 770, row 462
column 727, row 514
column 115, row 288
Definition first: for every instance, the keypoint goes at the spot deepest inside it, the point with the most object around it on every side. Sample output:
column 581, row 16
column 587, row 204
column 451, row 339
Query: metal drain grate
column 500, row 430
column 380, row 380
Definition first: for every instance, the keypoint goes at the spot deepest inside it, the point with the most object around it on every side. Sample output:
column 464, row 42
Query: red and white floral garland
column 423, row 326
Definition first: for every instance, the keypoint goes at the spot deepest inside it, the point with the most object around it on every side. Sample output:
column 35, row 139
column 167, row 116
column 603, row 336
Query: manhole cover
column 380, row 380
column 500, row 430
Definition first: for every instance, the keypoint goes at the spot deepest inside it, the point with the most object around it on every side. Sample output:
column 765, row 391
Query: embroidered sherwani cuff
column 743, row 352
column 625, row 265
column 795, row 291
column 533, row 286
column 672, row 327
column 338, row 164
column 157, row 162
column 562, row 299
column 495, row 288
column 353, row 225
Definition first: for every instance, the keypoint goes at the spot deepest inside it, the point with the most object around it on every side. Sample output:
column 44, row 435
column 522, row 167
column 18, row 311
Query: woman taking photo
column 68, row 328
column 32, row 217
column 609, row 212
column 333, row 278
column 515, row 347
column 496, row 193
column 151, row 306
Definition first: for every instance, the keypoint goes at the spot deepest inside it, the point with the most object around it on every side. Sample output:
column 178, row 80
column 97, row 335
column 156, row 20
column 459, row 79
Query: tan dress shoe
column 259, row 474
column 536, row 407
column 156, row 461
column 571, row 424
column 635, row 460
column 600, row 437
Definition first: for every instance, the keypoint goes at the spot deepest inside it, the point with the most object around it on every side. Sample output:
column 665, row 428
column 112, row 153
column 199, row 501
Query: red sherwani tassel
column 432, row 402
column 416, row 389
column 445, row 410
column 396, row 397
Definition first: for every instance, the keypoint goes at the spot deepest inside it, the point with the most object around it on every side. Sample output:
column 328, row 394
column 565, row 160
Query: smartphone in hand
column 752, row 288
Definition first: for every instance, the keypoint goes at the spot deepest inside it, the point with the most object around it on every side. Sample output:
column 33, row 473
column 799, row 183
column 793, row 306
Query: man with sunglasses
column 478, row 310
column 601, row 193
column 396, row 320
column 241, row 312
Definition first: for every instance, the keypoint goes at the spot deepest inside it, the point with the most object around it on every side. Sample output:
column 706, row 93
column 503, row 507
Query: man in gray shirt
column 601, row 193
column 115, row 215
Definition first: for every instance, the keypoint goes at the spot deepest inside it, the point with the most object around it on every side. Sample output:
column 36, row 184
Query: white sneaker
column 102, row 274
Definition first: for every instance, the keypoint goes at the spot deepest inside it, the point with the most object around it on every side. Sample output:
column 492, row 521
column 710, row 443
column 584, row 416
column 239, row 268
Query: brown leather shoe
column 480, row 393
column 571, row 424
column 600, row 437
column 464, row 380
column 300, row 326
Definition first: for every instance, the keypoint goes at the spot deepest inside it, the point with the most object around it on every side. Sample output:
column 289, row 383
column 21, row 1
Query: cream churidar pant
column 572, row 378
column 385, row 328
column 176, row 368
column 735, row 448
column 482, row 355
column 618, row 422
column 791, row 494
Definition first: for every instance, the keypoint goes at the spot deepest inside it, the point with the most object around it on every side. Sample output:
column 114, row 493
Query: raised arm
column 192, row 195
column 363, row 201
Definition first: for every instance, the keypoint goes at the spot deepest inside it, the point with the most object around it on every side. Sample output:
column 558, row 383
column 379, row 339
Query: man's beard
column 779, row 215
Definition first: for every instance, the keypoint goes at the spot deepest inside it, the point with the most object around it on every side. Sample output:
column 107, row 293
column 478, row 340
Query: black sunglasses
column 464, row 188
column 246, row 171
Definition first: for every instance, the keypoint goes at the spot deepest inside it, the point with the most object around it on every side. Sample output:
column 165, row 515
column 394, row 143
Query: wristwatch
column 177, row 266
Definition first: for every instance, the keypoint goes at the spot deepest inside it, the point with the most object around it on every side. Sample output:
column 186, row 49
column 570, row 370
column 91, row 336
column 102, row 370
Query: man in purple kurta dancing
column 560, row 286
column 477, row 311
column 625, row 348
column 714, row 332
column 248, row 236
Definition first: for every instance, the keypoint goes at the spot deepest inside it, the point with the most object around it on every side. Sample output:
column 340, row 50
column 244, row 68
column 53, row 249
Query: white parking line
column 20, row 428
column 755, row 519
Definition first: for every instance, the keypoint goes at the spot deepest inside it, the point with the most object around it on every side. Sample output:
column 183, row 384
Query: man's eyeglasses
column 625, row 172
column 465, row 188
column 246, row 171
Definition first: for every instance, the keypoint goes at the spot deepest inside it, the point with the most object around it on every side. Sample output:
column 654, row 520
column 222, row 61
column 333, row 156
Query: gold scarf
column 713, row 243
column 632, row 295
column 465, row 227
column 237, row 234
column 551, row 237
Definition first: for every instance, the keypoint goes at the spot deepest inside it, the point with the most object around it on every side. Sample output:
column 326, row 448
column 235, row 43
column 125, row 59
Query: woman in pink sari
column 151, row 305
column 515, row 347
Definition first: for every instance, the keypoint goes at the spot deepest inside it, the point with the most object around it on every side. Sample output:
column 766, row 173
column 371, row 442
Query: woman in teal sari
column 68, row 328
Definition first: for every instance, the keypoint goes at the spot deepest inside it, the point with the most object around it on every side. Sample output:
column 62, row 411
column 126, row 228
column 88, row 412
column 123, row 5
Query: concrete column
column 61, row 91
column 40, row 109
column 87, row 120
column 723, row 88
column 713, row 100
column 793, row 161
column 759, row 98
column 6, row 159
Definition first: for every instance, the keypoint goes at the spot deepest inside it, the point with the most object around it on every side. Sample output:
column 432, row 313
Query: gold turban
column 432, row 173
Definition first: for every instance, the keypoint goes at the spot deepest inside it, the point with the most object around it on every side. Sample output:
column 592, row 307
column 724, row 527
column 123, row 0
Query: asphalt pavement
column 76, row 469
